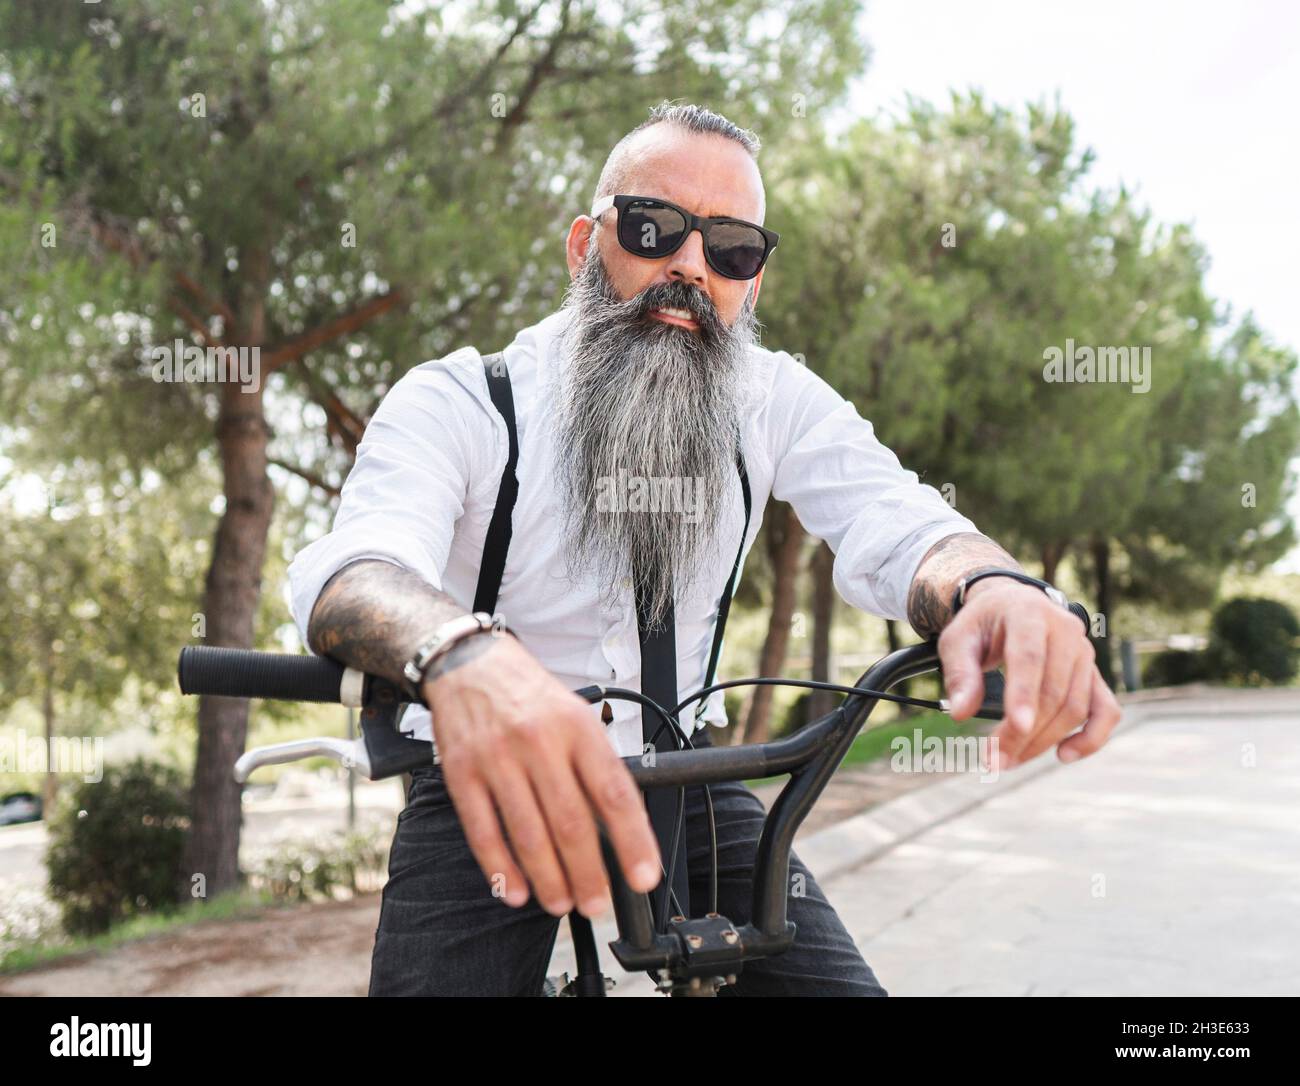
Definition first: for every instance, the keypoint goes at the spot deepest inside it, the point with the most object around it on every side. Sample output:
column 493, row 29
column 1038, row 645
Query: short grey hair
column 691, row 118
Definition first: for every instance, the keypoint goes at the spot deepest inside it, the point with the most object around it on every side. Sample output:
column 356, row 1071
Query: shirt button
column 627, row 582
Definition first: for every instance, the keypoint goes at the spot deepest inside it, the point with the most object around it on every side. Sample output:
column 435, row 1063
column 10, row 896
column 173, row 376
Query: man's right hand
column 512, row 739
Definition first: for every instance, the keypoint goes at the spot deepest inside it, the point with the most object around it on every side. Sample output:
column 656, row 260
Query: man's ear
column 577, row 242
column 753, row 291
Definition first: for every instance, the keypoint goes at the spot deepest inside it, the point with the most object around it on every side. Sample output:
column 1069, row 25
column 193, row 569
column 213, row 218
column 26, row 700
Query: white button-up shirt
column 425, row 481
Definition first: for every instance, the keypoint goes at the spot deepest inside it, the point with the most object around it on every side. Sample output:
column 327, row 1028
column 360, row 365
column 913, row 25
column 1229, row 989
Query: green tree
column 346, row 186
column 967, row 247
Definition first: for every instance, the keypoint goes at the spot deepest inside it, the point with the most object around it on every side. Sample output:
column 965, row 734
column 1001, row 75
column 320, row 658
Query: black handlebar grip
column 243, row 673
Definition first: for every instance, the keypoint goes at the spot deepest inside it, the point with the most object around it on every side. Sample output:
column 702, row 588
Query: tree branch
column 340, row 421
column 339, row 326
column 311, row 477
column 450, row 104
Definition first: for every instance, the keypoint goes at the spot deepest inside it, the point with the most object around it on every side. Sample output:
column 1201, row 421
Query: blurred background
column 357, row 186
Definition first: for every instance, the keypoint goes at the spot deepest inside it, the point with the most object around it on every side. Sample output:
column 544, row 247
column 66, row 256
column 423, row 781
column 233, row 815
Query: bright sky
column 1192, row 104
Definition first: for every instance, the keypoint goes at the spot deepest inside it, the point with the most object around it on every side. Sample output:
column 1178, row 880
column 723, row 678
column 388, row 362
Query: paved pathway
column 1167, row 865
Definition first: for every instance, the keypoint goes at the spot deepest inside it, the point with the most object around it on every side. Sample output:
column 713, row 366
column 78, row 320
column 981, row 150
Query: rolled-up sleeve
column 847, row 488
column 407, row 488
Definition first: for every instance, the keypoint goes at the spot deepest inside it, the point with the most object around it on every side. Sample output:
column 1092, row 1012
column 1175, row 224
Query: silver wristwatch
column 444, row 637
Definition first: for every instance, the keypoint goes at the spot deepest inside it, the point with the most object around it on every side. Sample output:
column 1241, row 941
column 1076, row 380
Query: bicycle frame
column 698, row 948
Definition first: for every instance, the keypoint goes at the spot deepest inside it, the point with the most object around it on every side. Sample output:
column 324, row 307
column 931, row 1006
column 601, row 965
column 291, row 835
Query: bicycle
column 688, row 956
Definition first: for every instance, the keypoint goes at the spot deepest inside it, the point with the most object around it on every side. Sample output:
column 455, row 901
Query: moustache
column 678, row 295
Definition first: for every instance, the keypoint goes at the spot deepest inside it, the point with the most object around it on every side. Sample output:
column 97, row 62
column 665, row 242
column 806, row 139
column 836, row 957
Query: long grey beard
column 646, row 408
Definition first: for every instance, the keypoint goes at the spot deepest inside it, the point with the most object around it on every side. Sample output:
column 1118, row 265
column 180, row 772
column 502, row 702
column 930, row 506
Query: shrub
column 1253, row 641
column 795, row 717
column 28, row 918
column 325, row 867
column 116, row 847
column 1175, row 667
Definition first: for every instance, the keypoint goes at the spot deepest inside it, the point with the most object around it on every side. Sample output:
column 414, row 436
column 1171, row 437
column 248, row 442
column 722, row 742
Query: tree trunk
column 1052, row 555
column 1101, row 565
column 232, row 593
column 895, row 643
column 51, row 790
column 822, row 702
column 784, row 543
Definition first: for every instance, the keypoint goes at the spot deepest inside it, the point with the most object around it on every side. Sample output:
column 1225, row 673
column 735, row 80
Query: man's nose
column 688, row 262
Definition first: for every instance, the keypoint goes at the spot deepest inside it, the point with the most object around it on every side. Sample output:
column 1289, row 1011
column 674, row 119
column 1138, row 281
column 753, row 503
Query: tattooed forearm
column 372, row 615
column 929, row 600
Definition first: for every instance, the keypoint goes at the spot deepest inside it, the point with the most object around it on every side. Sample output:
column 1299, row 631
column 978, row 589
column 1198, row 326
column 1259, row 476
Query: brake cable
column 671, row 721
column 683, row 741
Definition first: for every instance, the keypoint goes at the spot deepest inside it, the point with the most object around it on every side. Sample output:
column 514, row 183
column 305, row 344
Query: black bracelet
column 1054, row 594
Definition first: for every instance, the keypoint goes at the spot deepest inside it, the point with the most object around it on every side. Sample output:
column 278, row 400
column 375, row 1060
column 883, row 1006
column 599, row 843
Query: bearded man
column 650, row 373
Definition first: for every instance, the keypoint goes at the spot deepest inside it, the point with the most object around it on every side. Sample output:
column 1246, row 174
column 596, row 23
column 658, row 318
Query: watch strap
column 1051, row 591
column 439, row 643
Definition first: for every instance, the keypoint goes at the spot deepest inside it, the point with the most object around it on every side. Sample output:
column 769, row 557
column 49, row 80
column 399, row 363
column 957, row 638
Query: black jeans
column 442, row 932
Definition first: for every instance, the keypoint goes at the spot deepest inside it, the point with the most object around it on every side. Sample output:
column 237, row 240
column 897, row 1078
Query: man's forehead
column 704, row 173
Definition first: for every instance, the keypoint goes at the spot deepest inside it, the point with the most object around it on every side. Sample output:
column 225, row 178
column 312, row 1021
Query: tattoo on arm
column 372, row 615
column 929, row 600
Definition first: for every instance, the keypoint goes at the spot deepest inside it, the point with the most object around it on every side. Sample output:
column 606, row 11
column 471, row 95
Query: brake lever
column 348, row 752
column 381, row 751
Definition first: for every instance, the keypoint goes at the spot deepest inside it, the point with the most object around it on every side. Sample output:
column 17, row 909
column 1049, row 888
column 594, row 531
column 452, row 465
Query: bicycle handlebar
column 694, row 946
column 245, row 673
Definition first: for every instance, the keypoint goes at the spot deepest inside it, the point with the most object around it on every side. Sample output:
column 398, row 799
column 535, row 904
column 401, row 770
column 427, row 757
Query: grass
column 229, row 906
column 874, row 744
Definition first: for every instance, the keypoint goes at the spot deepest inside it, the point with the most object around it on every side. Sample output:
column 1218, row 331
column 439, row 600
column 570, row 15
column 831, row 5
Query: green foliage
column 97, row 588
column 1175, row 667
column 968, row 243
column 115, row 848
column 794, row 718
column 322, row 867
column 252, row 173
column 1254, row 641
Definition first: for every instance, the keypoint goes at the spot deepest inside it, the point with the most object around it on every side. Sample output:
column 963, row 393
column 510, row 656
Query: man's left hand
column 1052, row 682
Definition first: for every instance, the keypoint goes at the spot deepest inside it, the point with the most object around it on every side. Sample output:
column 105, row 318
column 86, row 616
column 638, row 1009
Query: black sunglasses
column 654, row 229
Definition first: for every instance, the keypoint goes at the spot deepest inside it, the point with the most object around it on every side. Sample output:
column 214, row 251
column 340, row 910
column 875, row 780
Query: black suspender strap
column 724, row 604
column 497, row 543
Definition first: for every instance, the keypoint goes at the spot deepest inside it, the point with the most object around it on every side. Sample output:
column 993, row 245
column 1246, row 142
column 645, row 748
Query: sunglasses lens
column 737, row 250
column 649, row 229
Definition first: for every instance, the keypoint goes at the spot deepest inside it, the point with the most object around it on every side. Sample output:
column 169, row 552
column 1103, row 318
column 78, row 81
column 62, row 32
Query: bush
column 796, row 716
column 1253, row 641
column 28, row 918
column 1175, row 667
column 116, row 848
column 324, row 867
